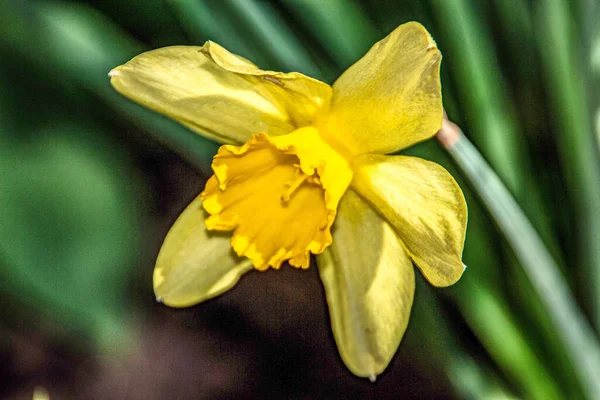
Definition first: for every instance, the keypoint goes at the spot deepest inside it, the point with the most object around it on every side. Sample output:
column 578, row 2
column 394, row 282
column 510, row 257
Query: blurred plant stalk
column 570, row 323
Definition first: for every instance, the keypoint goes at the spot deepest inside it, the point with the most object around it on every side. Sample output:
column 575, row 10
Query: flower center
column 278, row 194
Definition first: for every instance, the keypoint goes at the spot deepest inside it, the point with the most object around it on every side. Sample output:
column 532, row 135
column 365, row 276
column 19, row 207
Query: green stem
column 573, row 328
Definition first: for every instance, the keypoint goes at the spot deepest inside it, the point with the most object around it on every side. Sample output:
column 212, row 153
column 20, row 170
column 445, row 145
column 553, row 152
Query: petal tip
column 114, row 72
column 431, row 44
column 372, row 378
column 447, row 280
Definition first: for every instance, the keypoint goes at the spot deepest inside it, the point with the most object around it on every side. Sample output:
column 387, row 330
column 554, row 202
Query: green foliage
column 522, row 78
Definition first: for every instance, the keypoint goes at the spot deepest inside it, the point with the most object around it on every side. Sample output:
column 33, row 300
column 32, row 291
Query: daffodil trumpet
column 303, row 170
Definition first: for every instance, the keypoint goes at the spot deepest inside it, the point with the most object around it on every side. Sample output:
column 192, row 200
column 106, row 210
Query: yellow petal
column 220, row 95
column 426, row 207
column 369, row 283
column 391, row 98
column 193, row 264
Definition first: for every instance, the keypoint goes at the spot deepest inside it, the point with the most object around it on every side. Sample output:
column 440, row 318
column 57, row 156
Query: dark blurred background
column 90, row 183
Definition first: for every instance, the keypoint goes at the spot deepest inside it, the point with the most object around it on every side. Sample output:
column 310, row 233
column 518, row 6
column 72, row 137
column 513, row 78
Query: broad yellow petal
column 369, row 283
column 391, row 98
column 220, row 95
column 425, row 206
column 193, row 264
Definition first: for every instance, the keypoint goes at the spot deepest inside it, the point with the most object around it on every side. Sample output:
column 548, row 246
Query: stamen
column 293, row 185
column 314, row 179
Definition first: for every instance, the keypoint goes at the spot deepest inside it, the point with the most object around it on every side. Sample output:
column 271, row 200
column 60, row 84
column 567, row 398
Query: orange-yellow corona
column 304, row 171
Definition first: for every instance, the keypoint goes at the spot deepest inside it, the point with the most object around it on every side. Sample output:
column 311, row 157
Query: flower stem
column 537, row 262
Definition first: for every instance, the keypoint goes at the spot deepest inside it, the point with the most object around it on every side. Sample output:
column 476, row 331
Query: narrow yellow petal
column 220, row 95
column 391, row 98
column 193, row 264
column 426, row 207
column 369, row 283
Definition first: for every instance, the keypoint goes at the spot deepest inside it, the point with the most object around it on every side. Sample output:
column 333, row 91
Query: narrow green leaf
column 490, row 318
column 484, row 99
column 274, row 36
column 431, row 337
column 577, row 145
column 339, row 25
column 209, row 20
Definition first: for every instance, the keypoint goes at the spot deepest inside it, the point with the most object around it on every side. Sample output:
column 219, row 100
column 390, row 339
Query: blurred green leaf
column 208, row 20
column 79, row 45
column 70, row 218
column 492, row 322
column 273, row 36
column 544, row 274
column 339, row 25
column 578, row 148
column 431, row 336
column 488, row 111
column 150, row 21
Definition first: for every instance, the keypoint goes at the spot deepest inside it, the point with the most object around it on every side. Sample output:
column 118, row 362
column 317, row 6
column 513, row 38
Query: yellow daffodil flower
column 304, row 171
